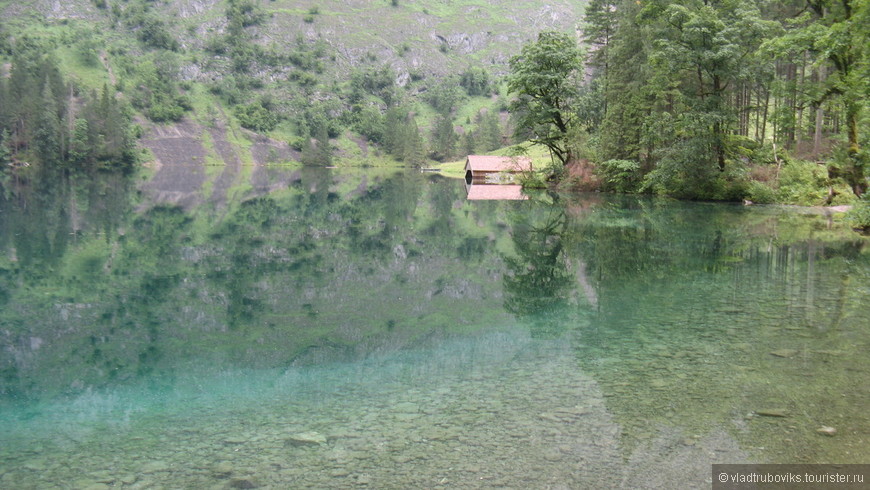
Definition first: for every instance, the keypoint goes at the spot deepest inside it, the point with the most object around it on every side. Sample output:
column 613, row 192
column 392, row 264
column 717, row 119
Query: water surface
column 328, row 329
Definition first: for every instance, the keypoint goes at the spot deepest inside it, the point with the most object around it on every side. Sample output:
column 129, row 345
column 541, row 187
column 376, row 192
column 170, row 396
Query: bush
column 859, row 216
column 256, row 117
column 533, row 180
column 760, row 193
column 803, row 183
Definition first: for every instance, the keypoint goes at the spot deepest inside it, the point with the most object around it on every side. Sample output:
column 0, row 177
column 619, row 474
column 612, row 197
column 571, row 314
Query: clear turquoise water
column 378, row 330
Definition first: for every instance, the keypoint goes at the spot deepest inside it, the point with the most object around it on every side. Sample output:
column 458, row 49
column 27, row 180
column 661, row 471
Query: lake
column 317, row 328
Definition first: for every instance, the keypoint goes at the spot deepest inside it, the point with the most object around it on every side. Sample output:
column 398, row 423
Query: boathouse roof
column 489, row 163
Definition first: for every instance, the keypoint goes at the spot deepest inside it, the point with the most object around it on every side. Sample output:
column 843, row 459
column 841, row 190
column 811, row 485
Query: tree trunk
column 820, row 119
column 817, row 134
column 855, row 174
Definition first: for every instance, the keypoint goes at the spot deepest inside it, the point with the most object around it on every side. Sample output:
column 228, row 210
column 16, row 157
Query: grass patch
column 87, row 75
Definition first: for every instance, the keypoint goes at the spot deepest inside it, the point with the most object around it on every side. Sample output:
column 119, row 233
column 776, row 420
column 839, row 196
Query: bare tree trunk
column 799, row 115
column 820, row 120
column 817, row 135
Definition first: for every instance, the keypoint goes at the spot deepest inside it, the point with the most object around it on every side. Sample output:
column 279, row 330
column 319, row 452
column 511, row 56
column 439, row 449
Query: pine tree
column 47, row 131
column 469, row 142
column 600, row 23
column 413, row 151
column 443, row 138
column 80, row 152
column 490, row 130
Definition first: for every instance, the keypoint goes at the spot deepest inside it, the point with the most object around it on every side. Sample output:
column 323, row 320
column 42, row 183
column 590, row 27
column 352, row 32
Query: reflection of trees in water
column 539, row 287
column 47, row 211
column 681, row 281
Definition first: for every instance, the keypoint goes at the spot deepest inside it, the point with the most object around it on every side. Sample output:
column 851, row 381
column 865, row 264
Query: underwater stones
column 549, row 417
column 406, row 407
column 827, row 431
column 222, row 470
column 128, row 479
column 103, row 477
column 310, row 438
column 405, row 416
column 772, row 412
column 35, row 466
column 91, row 486
column 784, row 353
column 155, row 467
column 403, row 458
column 243, row 483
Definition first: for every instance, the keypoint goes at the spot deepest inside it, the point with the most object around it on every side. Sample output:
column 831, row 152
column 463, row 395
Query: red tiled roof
column 490, row 192
column 487, row 163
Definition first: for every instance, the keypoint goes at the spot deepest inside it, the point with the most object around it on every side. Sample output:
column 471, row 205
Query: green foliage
column 804, row 183
column 157, row 94
column 443, row 138
column 760, row 193
column 5, row 165
column 325, row 114
column 445, row 95
column 369, row 122
column 150, row 29
column 620, row 175
column 859, row 216
column 317, row 151
column 475, row 81
column 533, row 180
column 489, row 128
column 256, row 117
column 376, row 81
column 87, row 49
column 402, row 137
column 544, row 77
column 308, row 57
column 35, row 117
column 834, row 35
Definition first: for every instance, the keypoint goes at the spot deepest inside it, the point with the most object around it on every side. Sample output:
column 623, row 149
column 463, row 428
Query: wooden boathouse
column 486, row 169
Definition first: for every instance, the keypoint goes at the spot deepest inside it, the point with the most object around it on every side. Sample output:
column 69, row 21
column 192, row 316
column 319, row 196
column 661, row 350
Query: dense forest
column 706, row 99
column 727, row 100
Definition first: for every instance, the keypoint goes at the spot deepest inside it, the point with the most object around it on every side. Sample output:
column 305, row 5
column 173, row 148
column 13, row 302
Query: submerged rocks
column 827, row 431
column 155, row 467
column 310, row 438
column 772, row 412
column 222, row 470
column 784, row 353
column 244, row 483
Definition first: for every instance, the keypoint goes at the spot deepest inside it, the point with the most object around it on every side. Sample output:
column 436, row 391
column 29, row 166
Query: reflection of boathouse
column 485, row 169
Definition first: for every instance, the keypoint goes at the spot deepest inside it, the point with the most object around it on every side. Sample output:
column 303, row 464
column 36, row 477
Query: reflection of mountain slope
column 195, row 164
column 180, row 162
